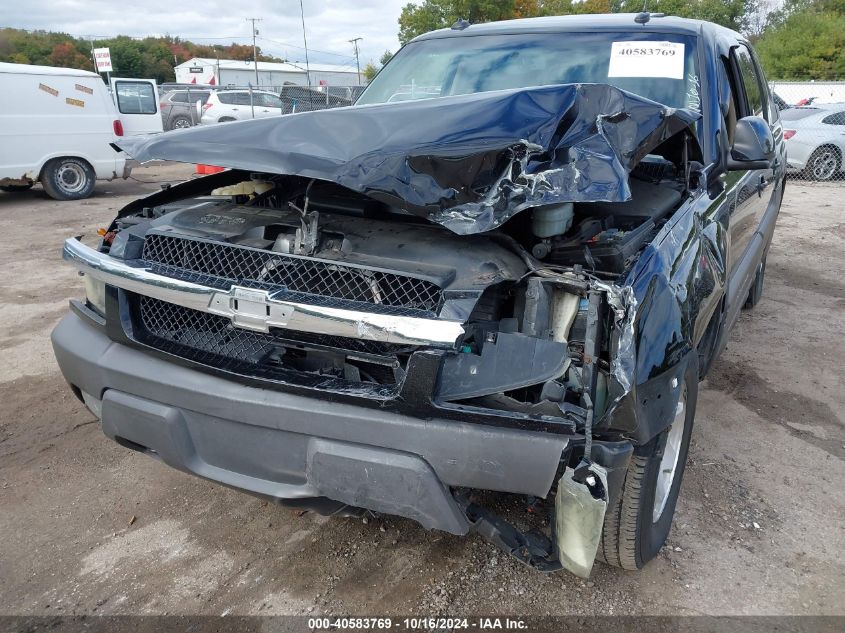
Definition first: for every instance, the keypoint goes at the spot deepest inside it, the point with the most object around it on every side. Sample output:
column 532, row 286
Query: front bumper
column 289, row 447
column 258, row 310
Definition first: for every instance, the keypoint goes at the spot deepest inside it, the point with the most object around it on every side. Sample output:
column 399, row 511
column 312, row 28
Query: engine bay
column 532, row 295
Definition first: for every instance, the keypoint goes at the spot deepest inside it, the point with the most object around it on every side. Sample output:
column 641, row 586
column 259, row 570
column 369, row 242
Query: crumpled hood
column 468, row 162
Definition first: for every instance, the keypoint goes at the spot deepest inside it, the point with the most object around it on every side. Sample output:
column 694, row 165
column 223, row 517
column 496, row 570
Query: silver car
column 178, row 108
column 815, row 139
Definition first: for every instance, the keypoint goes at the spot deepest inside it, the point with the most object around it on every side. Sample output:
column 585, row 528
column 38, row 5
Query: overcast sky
column 329, row 25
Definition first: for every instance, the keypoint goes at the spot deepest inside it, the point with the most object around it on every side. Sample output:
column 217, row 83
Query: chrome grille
column 212, row 340
column 220, row 265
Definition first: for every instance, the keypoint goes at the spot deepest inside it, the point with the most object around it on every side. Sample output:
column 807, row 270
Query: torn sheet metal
column 468, row 162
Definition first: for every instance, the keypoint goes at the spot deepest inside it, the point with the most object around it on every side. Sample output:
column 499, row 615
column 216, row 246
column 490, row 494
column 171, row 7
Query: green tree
column 734, row 14
column 429, row 15
column 805, row 40
column 370, row 71
column 385, row 57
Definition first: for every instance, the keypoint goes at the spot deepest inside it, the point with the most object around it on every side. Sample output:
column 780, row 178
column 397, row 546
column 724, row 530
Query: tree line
column 801, row 40
column 150, row 57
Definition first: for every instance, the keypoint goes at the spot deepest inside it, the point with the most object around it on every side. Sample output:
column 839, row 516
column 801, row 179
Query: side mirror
column 754, row 145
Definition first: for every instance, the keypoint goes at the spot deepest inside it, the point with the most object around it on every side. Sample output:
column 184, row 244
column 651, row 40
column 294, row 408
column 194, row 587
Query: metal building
column 226, row 72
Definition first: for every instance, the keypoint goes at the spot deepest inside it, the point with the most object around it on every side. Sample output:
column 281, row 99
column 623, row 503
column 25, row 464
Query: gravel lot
column 90, row 527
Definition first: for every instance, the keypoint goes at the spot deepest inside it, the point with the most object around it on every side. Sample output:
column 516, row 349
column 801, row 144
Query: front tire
column 68, row 179
column 637, row 527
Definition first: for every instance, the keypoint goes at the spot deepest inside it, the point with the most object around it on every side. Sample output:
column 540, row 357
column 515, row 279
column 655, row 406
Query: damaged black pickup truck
column 499, row 276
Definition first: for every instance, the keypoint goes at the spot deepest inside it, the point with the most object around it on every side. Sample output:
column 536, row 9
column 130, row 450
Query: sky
column 328, row 25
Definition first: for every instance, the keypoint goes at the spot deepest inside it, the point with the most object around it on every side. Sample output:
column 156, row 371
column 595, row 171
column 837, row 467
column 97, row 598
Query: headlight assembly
column 95, row 294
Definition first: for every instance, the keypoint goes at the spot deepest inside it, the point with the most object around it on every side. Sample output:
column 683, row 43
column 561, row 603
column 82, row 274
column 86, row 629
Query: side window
column 755, row 89
column 242, row 98
column 135, row 97
column 179, row 97
column 837, row 118
column 226, row 97
column 731, row 103
column 270, row 101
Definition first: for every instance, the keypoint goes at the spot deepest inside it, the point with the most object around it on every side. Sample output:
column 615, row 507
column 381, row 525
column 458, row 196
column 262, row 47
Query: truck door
column 752, row 193
column 137, row 105
column 747, row 191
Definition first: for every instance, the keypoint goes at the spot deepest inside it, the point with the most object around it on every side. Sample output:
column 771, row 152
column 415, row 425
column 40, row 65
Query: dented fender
column 673, row 291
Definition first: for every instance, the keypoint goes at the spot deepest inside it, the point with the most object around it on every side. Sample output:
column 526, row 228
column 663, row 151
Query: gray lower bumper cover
column 289, row 446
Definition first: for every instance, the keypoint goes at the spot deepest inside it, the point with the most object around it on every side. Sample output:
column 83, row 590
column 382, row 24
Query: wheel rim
column 825, row 165
column 71, row 177
column 181, row 123
column 669, row 461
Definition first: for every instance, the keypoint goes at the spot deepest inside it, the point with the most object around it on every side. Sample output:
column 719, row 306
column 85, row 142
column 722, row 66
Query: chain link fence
column 179, row 105
column 813, row 116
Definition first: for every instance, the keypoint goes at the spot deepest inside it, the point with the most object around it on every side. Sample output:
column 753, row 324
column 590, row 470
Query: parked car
column 514, row 287
column 815, row 140
column 235, row 105
column 57, row 126
column 178, row 108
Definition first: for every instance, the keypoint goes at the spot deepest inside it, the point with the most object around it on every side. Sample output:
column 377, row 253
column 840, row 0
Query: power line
column 313, row 50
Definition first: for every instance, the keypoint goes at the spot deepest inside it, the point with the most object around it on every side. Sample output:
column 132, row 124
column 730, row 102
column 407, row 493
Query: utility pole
column 254, row 48
column 93, row 57
column 307, row 65
column 354, row 43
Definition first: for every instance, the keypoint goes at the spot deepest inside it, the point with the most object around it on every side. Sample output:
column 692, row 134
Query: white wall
column 245, row 76
column 185, row 76
column 335, row 78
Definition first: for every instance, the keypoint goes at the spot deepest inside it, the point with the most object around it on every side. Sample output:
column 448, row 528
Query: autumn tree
column 151, row 57
column 66, row 56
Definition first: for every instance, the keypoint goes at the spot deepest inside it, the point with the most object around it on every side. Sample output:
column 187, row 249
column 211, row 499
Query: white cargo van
column 56, row 126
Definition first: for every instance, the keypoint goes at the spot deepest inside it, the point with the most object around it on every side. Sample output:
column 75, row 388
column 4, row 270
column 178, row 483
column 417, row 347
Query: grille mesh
column 221, row 265
column 212, row 339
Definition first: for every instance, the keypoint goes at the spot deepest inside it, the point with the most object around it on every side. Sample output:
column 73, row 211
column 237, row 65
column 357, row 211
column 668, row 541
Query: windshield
column 658, row 66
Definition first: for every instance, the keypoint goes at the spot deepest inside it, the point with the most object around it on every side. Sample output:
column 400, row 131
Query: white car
column 815, row 139
column 235, row 105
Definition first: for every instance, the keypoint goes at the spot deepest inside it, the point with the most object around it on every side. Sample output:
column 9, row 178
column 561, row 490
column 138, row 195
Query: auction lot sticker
column 646, row 59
